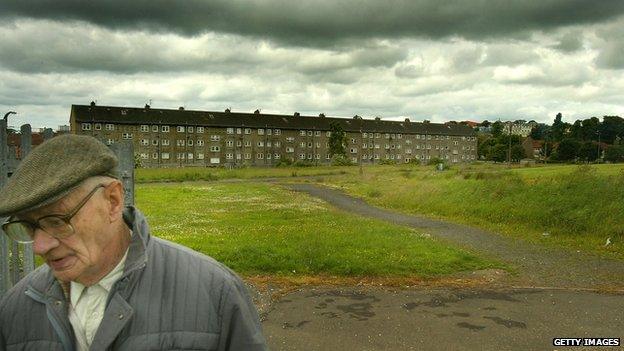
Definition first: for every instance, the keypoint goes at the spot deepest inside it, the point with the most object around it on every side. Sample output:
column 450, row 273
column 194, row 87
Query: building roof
column 147, row 115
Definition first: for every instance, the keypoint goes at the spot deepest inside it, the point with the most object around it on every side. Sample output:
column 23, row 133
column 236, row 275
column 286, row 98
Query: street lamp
column 598, row 132
column 6, row 115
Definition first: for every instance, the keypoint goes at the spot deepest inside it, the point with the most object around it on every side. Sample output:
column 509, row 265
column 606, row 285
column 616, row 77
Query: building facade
column 182, row 138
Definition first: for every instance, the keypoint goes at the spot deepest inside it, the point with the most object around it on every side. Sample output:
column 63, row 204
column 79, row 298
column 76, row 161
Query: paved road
column 537, row 265
column 440, row 319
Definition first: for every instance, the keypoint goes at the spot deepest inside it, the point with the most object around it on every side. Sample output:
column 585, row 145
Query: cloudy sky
column 423, row 59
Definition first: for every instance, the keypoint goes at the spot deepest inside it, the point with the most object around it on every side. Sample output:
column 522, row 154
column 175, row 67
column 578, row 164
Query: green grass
column 262, row 229
column 147, row 175
column 578, row 206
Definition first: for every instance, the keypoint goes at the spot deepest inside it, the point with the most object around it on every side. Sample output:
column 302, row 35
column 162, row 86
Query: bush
column 341, row 160
column 302, row 163
column 435, row 160
column 284, row 163
column 387, row 162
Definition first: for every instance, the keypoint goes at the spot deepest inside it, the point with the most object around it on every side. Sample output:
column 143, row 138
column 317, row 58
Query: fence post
column 125, row 153
column 4, row 240
column 26, row 145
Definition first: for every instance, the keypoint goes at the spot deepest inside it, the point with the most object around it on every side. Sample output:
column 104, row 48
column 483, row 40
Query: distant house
column 533, row 148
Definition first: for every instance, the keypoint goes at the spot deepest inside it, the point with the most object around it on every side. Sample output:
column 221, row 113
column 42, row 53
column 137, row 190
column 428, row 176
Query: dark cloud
column 324, row 21
column 570, row 42
column 611, row 47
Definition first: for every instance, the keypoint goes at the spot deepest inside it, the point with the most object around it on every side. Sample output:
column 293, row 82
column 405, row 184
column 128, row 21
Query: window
column 215, row 160
column 247, row 130
column 278, row 132
column 180, row 156
column 290, row 139
column 327, row 156
column 144, row 142
column 239, row 131
column 354, row 150
column 310, row 145
column 144, row 128
column 189, row 129
column 268, row 131
column 353, row 140
column 229, row 156
column 215, row 149
column 200, row 142
column 110, row 141
column 417, row 136
column 318, row 156
column 238, row 156
column 260, row 131
column 229, row 143
column 260, row 144
column 310, row 133
column 364, row 135
column 215, row 137
column 302, row 156
column 86, row 126
column 190, row 143
column 399, row 136
column 164, row 155
column 98, row 126
column 377, row 146
column 200, row 156
column 155, row 155
column 259, row 156
column 247, row 156
column 277, row 144
column 126, row 136
column 190, row 155
column 180, row 142
column 164, row 129
column 377, row 135
column 290, row 149
column 328, row 134
column 387, row 146
column 109, row 126
column 155, row 128
column 247, row 143
column 268, row 143
column 317, row 133
column 230, row 130
column 239, row 143
column 180, row 129
column 302, row 133
column 309, row 156
column 155, row 142
column 277, row 156
column 387, row 136
column 318, row 145
column 302, row 144
column 165, row 142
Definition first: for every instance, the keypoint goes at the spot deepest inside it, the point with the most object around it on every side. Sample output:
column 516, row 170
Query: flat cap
column 53, row 169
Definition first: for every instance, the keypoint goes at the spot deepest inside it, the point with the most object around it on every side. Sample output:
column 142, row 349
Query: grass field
column 263, row 229
column 578, row 207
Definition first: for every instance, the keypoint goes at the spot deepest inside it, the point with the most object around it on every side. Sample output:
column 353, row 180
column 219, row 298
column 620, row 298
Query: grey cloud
column 509, row 54
column 611, row 47
column 570, row 42
column 323, row 21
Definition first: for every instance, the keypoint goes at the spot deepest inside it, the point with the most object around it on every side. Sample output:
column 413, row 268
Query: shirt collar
column 106, row 282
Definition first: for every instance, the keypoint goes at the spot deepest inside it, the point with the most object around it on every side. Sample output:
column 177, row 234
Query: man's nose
column 43, row 242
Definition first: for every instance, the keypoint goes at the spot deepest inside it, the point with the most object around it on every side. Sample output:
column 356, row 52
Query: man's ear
column 115, row 197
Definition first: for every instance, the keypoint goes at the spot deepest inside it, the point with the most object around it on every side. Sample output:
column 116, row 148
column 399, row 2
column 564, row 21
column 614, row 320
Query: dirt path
column 537, row 266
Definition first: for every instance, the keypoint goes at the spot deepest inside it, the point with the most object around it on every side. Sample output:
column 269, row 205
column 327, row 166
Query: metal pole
column 26, row 145
column 509, row 149
column 125, row 153
column 4, row 240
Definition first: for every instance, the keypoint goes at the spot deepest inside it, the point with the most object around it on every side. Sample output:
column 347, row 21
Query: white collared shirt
column 88, row 305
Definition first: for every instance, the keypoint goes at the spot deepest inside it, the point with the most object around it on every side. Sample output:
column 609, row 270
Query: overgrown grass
column 147, row 175
column 578, row 207
column 263, row 229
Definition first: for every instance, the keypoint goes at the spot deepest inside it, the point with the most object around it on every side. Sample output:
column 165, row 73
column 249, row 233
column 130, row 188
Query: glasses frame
column 64, row 217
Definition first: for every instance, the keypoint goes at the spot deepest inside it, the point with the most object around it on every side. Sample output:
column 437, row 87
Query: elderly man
column 107, row 283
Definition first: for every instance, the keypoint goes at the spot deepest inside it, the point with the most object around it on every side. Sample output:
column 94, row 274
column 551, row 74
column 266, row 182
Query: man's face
column 85, row 256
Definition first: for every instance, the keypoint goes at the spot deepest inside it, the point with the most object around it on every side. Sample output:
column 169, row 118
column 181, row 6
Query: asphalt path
column 556, row 294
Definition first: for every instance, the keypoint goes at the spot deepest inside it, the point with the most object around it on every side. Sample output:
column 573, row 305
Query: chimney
column 297, row 114
column 256, row 112
column 181, row 108
column 228, row 110
column 92, row 103
column 322, row 115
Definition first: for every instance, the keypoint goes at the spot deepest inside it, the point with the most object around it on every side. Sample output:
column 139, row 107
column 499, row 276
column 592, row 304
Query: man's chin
column 62, row 268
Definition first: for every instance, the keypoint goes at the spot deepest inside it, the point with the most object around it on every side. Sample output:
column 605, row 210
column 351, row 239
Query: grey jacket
column 169, row 298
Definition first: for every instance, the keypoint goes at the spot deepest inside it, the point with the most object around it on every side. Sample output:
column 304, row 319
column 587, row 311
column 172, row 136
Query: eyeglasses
column 57, row 226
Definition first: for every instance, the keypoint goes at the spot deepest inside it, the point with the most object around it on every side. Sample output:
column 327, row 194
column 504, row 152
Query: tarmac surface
column 440, row 319
column 555, row 294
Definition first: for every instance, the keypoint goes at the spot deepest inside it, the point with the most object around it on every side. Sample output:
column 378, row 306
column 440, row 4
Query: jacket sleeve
column 240, row 325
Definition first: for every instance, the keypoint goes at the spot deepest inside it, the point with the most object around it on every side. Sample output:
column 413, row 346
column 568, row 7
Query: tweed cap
column 52, row 170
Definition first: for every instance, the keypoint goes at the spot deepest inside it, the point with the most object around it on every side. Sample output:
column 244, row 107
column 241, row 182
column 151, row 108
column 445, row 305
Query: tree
column 337, row 140
column 567, row 150
column 588, row 151
column 611, row 128
column 484, row 145
column 559, row 128
column 497, row 129
column 540, row 132
column 517, row 153
column 498, row 153
column 614, row 153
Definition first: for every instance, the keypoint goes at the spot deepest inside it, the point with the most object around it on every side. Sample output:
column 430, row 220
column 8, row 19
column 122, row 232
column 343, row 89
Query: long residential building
column 174, row 138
